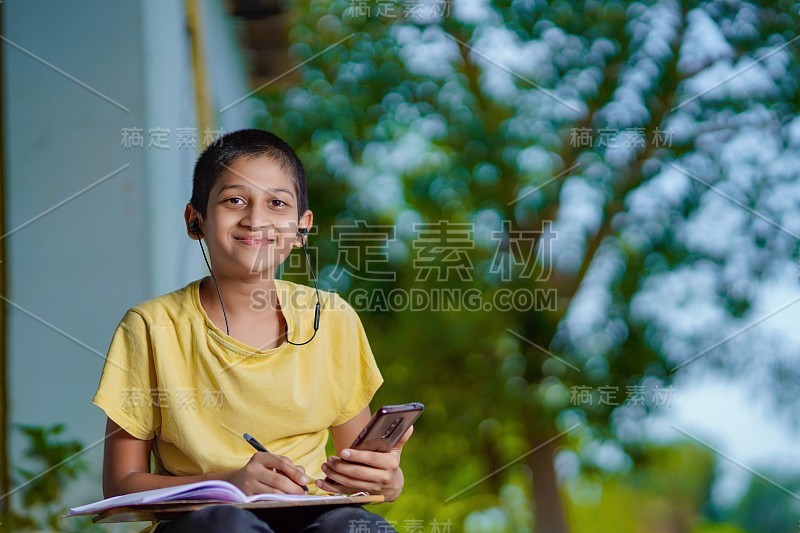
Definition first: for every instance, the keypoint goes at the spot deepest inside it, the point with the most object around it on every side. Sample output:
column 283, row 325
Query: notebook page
column 202, row 490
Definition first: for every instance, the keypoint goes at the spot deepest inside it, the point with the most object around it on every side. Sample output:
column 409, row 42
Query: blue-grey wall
column 95, row 227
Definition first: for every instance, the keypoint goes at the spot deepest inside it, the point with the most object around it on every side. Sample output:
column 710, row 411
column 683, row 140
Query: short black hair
column 245, row 143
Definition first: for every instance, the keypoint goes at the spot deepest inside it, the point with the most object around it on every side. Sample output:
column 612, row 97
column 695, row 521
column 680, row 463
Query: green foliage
column 766, row 508
column 41, row 490
column 390, row 137
column 664, row 491
column 706, row 527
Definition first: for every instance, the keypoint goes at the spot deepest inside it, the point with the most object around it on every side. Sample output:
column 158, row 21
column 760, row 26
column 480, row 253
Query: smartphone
column 387, row 426
column 385, row 429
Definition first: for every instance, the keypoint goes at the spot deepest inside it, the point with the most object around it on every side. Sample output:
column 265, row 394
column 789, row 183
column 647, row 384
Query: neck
column 242, row 297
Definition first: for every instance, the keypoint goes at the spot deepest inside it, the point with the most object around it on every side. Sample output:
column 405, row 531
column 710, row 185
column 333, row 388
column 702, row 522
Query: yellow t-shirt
column 173, row 376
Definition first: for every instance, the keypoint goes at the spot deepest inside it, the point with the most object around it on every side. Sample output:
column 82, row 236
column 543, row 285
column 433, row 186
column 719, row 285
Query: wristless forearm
column 139, row 481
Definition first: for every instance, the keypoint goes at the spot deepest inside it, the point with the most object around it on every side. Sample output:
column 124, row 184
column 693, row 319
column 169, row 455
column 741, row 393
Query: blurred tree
column 765, row 508
column 666, row 493
column 630, row 167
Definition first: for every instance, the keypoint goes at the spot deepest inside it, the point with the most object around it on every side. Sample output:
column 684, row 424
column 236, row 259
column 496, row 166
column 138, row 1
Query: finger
column 281, row 483
column 324, row 484
column 360, row 472
column 404, row 438
column 296, row 473
column 257, row 465
column 267, row 482
column 348, row 485
column 259, row 487
column 273, row 472
column 374, row 459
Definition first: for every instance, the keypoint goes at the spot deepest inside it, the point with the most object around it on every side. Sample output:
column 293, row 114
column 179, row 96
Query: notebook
column 212, row 490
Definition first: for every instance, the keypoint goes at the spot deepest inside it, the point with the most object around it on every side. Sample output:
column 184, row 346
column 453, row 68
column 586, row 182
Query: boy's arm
column 126, row 465
column 361, row 470
column 126, row 469
column 344, row 435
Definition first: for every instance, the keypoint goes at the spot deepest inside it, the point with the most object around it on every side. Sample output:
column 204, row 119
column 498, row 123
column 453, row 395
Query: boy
column 189, row 372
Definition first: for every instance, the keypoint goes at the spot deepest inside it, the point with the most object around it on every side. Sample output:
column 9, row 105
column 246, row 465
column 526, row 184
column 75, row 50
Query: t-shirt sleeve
column 359, row 372
column 128, row 381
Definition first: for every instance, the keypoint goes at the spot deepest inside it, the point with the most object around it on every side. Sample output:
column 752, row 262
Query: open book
column 212, row 490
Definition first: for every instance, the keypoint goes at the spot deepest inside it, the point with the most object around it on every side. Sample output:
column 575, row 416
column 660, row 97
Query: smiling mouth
column 255, row 242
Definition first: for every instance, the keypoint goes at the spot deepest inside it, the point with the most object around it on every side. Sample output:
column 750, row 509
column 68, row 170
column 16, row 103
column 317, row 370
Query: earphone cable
column 316, row 309
column 227, row 329
column 285, row 326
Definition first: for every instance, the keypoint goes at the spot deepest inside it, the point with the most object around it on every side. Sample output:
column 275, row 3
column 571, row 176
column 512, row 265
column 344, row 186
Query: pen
column 260, row 447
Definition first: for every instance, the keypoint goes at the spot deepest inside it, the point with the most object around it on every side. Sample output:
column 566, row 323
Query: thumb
column 403, row 439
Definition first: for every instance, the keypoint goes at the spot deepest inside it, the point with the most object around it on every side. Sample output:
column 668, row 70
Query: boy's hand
column 269, row 473
column 361, row 470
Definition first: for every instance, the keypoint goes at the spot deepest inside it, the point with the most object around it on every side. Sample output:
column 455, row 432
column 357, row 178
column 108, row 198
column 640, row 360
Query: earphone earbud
column 302, row 231
column 194, row 227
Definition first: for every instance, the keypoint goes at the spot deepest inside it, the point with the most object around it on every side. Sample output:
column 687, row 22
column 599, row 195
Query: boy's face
column 251, row 224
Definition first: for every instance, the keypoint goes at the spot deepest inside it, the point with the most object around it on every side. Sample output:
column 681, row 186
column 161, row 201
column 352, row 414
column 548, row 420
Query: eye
column 281, row 203
column 233, row 200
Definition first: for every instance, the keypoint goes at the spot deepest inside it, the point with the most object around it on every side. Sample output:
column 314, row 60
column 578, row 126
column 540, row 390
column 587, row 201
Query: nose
column 256, row 217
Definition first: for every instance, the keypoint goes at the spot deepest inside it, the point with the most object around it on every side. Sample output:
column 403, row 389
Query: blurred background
column 570, row 230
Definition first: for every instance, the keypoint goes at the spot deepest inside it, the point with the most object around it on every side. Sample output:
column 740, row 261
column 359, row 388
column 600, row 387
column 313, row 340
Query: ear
column 192, row 216
column 305, row 222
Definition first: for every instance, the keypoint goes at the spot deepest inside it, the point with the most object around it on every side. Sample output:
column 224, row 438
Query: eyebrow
column 245, row 187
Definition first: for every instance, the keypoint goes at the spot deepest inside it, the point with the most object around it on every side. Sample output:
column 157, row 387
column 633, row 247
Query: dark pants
column 227, row 519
